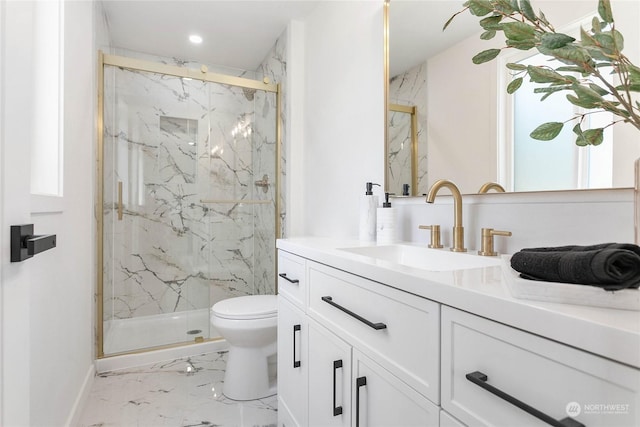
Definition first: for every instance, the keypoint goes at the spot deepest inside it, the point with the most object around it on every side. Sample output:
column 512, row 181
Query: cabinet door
column 285, row 419
column 495, row 375
column 447, row 420
column 293, row 362
column 329, row 378
column 381, row 399
column 399, row 331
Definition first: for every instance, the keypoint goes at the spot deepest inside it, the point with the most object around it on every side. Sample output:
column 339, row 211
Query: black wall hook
column 24, row 244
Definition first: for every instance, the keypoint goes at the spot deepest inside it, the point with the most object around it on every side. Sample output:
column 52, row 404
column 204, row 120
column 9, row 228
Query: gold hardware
column 487, row 241
column 489, row 186
column 204, row 69
column 174, row 70
column 236, row 201
column 413, row 112
column 385, row 82
column 435, row 235
column 458, row 229
column 199, row 339
column 119, row 200
column 100, row 212
column 266, row 80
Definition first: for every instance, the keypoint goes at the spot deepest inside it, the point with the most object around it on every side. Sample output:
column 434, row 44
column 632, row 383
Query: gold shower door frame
column 153, row 67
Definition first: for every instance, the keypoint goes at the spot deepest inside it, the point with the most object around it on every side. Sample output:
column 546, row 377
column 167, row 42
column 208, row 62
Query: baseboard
column 81, row 399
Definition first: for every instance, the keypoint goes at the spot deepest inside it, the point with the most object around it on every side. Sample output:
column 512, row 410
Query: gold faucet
column 458, row 229
column 491, row 185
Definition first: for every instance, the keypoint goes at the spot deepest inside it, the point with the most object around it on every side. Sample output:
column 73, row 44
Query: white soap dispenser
column 386, row 223
column 368, row 207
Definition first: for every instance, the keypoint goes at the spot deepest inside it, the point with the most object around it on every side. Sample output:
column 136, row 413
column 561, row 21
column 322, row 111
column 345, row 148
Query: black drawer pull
column 480, row 379
column 376, row 326
column 360, row 382
column 296, row 363
column 284, row 276
column 337, row 410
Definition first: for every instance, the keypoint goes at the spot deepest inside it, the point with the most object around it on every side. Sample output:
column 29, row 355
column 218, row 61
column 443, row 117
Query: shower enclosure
column 188, row 170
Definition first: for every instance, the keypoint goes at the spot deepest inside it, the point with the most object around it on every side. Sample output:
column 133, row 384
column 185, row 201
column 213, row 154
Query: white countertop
column 611, row 333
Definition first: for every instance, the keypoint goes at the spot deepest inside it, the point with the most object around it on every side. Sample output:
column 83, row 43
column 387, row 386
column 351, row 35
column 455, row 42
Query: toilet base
column 250, row 373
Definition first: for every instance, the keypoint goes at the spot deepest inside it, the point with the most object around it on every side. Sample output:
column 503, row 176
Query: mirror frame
column 385, row 76
column 413, row 112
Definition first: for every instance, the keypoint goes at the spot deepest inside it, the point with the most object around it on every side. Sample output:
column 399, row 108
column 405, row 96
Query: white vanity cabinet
column 372, row 351
column 381, row 399
column 329, row 378
column 397, row 330
column 486, row 365
column 378, row 354
column 293, row 337
column 347, row 388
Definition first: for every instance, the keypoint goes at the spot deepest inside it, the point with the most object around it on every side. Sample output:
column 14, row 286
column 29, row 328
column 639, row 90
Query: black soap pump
column 405, row 189
column 369, row 188
column 386, row 203
column 386, row 222
column 368, row 207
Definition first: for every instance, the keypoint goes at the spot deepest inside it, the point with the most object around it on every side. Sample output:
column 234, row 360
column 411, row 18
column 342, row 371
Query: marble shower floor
column 183, row 392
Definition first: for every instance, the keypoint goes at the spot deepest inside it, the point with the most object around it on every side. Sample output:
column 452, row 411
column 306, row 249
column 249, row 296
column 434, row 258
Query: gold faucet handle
column 435, row 235
column 487, row 241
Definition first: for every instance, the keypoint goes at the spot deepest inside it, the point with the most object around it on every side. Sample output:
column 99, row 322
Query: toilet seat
column 247, row 307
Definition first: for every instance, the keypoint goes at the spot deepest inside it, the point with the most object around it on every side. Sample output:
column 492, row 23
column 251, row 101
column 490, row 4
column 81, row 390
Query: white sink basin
column 425, row 258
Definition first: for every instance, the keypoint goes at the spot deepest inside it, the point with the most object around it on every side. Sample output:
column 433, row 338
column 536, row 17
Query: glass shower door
column 189, row 204
column 238, row 170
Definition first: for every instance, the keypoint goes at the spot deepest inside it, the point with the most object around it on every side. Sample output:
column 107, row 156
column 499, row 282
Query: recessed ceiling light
column 195, row 39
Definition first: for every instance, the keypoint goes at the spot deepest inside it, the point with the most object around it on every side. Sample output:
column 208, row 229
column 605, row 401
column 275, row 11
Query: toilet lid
column 249, row 307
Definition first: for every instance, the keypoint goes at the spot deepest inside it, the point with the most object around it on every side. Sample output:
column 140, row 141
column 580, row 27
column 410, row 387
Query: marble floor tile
column 184, row 392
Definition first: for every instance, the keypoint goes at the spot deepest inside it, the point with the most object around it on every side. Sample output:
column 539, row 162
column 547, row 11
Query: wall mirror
column 465, row 128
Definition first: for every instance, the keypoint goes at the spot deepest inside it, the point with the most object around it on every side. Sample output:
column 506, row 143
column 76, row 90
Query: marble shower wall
column 274, row 67
column 408, row 88
column 173, row 144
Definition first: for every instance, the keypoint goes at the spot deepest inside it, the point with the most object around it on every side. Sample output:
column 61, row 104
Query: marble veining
column 274, row 66
column 408, row 88
column 176, row 144
column 182, row 392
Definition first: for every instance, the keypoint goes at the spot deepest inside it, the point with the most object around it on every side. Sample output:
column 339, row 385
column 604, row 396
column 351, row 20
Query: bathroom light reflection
column 216, row 391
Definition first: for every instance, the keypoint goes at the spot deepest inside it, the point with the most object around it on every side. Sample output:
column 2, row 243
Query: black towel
column 611, row 266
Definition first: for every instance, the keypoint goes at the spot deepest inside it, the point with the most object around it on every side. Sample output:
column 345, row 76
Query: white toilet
column 249, row 325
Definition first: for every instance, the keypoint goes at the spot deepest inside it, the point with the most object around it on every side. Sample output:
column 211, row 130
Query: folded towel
column 611, row 266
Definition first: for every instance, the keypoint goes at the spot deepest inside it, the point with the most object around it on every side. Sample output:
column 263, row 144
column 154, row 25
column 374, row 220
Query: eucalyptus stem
column 601, row 46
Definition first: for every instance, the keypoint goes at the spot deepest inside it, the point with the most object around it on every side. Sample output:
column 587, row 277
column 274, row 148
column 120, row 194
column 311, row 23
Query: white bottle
column 368, row 207
column 386, row 223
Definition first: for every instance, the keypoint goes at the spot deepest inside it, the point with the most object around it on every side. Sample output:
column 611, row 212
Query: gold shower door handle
column 119, row 200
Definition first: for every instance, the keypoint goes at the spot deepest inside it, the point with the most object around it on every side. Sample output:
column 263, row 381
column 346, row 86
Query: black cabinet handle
column 284, row 276
column 480, row 379
column 337, row 410
column 296, row 363
column 361, row 381
column 376, row 326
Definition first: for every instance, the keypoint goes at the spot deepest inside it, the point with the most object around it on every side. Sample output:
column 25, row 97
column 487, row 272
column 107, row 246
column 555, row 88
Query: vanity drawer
column 291, row 278
column 553, row 378
column 408, row 335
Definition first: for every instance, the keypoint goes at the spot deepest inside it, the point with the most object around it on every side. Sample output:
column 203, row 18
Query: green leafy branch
column 584, row 61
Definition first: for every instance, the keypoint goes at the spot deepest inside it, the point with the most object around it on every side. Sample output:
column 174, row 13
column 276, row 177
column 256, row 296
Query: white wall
column 462, row 103
column 294, row 145
column 47, row 300
column 536, row 219
column 343, row 114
